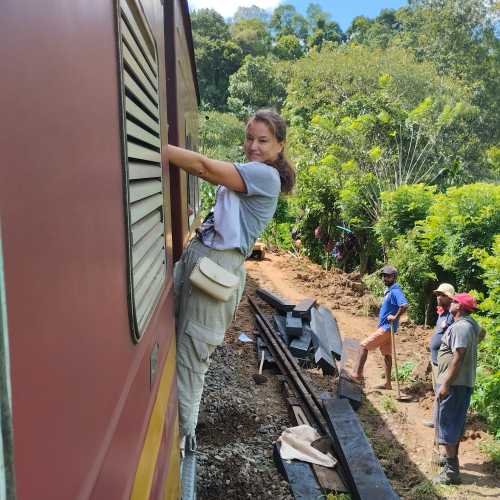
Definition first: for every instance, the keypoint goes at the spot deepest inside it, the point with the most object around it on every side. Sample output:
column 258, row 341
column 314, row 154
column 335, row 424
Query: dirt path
column 402, row 443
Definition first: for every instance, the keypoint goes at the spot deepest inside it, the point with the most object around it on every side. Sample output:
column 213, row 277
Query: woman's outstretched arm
column 213, row 171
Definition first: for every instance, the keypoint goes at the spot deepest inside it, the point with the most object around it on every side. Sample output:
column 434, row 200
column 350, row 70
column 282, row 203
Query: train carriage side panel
column 84, row 403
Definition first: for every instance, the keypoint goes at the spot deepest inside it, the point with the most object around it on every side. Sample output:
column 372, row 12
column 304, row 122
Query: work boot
column 428, row 423
column 450, row 473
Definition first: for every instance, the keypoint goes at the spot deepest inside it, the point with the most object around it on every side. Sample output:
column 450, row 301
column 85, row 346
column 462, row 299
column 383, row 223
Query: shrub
column 400, row 209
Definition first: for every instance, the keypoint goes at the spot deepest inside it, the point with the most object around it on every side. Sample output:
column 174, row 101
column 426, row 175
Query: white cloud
column 227, row 8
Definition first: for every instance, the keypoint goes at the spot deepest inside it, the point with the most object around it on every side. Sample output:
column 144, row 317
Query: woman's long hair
column 277, row 125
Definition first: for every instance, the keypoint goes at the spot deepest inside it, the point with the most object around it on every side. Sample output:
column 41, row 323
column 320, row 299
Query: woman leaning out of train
column 213, row 262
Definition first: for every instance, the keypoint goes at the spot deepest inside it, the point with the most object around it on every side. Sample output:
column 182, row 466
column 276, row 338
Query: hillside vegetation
column 394, row 131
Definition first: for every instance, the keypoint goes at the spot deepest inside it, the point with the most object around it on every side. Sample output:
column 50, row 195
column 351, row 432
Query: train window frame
column 193, row 186
column 143, row 176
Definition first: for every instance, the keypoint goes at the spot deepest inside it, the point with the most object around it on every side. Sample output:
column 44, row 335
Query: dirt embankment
column 240, row 421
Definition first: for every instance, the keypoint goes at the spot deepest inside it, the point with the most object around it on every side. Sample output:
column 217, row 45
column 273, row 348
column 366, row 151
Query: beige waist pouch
column 213, row 279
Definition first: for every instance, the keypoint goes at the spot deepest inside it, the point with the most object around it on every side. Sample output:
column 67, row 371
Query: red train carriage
column 91, row 221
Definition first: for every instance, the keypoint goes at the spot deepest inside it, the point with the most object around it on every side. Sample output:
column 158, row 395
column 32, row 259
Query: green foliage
column 486, row 397
column 492, row 448
column 287, row 21
column 404, row 372
column 255, row 85
column 416, row 276
column 217, row 57
column 400, row 209
column 221, row 136
column 278, row 233
column 388, row 404
column 252, row 37
column 460, row 222
column 288, row 47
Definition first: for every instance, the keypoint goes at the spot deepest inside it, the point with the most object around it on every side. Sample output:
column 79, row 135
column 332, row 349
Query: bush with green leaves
column 486, row 397
column 400, row 209
column 461, row 222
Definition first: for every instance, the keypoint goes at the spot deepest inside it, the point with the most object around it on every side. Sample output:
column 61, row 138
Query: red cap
column 467, row 301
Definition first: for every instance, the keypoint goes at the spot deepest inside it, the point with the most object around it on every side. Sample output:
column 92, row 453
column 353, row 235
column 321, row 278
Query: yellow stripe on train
column 143, row 481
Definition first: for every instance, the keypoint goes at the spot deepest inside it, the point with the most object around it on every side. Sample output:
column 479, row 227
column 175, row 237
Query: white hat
column 445, row 289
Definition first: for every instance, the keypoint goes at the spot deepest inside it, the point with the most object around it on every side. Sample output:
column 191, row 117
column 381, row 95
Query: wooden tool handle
column 261, row 363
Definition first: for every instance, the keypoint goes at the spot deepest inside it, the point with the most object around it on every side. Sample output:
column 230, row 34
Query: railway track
column 358, row 468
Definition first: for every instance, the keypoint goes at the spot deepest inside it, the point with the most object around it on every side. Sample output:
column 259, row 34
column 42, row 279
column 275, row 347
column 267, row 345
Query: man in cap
column 393, row 306
column 444, row 295
column 457, row 361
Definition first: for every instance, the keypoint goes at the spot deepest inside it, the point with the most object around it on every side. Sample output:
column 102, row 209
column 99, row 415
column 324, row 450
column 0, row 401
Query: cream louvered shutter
column 144, row 172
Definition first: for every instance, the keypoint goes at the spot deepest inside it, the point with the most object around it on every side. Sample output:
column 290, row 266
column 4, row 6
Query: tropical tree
column 217, row 57
column 256, row 84
column 252, row 36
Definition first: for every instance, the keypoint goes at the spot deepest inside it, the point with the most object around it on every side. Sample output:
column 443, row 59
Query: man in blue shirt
column 393, row 306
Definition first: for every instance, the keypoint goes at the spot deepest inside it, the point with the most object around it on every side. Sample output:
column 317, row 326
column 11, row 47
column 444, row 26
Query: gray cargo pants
column 201, row 322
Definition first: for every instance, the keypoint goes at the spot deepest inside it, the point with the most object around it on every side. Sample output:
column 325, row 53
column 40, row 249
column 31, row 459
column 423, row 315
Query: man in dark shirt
column 444, row 295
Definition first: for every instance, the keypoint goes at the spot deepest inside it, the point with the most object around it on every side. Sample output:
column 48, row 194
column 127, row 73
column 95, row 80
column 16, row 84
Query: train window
column 142, row 170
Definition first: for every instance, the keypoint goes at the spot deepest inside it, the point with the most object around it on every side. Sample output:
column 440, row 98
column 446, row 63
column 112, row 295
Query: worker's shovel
column 400, row 397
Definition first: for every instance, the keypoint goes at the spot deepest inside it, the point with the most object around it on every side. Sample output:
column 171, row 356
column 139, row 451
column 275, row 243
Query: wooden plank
column 293, row 326
column 299, row 475
column 142, row 208
column 303, row 308
column 366, row 477
column 138, row 190
column 329, row 479
column 138, row 54
column 134, row 130
column 324, row 325
column 136, row 112
column 142, row 153
column 351, row 391
column 280, row 304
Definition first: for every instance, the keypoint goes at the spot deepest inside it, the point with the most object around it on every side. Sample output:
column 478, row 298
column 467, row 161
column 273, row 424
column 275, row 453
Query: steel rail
column 286, row 369
column 286, row 352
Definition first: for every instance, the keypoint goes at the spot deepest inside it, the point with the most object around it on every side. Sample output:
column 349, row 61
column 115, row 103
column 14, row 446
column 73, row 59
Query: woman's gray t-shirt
column 238, row 219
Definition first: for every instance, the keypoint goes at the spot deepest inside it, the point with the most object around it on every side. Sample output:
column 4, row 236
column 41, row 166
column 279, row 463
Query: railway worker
column 246, row 200
column 444, row 294
column 393, row 306
column 457, row 361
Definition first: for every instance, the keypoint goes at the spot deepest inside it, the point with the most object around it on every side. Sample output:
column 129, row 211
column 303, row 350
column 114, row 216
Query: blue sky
column 342, row 11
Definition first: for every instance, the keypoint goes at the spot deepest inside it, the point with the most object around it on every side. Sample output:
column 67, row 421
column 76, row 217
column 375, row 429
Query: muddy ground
column 240, row 420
